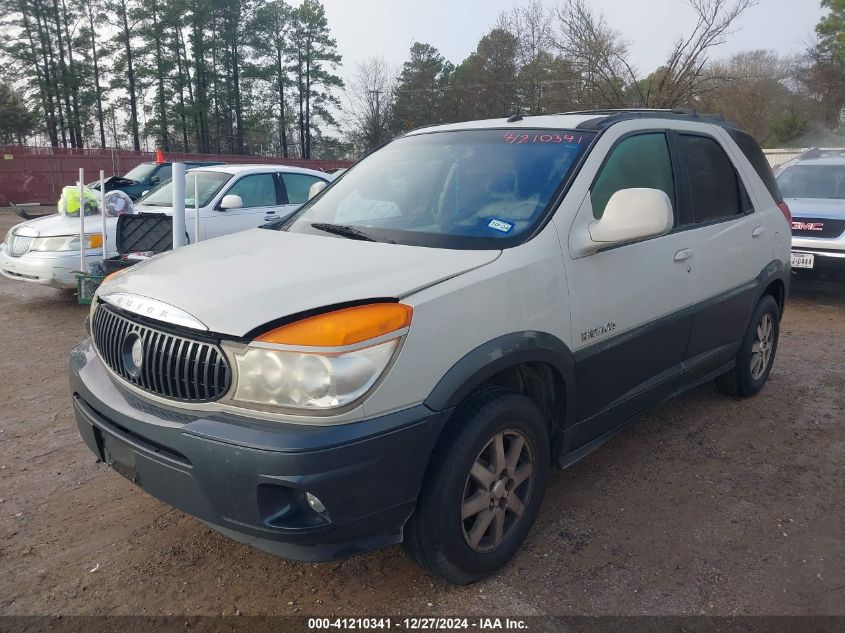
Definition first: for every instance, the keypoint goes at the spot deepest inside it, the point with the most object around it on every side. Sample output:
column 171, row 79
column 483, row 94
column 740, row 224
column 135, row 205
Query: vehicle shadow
column 816, row 291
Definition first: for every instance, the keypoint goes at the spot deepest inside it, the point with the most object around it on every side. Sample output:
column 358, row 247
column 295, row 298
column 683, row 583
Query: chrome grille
column 19, row 244
column 173, row 366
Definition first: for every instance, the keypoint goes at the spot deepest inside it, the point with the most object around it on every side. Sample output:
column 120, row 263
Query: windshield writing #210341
column 459, row 189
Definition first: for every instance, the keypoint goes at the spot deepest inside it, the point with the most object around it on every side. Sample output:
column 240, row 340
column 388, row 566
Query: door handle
column 683, row 255
column 757, row 232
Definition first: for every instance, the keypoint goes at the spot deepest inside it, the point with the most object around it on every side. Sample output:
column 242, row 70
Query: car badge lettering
column 604, row 328
column 807, row 226
column 153, row 309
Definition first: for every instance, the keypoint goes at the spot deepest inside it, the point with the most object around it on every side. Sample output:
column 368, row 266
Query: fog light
column 316, row 505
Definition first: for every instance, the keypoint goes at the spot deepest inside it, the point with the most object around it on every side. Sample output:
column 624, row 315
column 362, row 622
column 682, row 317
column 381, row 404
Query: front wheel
column 757, row 354
column 483, row 488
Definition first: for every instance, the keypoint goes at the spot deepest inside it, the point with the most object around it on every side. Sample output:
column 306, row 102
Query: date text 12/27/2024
column 417, row 624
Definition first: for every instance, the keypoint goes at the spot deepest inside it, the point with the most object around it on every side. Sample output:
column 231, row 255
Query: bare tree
column 370, row 97
column 681, row 79
column 532, row 27
column 751, row 89
column 598, row 55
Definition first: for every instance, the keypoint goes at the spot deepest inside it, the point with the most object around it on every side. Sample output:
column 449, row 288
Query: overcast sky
column 387, row 28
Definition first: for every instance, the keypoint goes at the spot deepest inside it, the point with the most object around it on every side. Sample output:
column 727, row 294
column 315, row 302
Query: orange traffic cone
column 159, row 155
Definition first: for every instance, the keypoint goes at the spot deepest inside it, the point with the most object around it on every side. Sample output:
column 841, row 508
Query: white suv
column 406, row 357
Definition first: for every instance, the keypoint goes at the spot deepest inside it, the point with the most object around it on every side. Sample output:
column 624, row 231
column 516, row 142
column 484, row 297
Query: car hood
column 240, row 282
column 830, row 209
column 57, row 224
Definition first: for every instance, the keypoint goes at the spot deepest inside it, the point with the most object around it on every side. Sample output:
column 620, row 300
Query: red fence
column 37, row 174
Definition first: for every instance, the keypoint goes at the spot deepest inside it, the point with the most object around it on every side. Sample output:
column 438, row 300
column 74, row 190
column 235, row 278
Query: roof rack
column 821, row 152
column 689, row 111
column 607, row 117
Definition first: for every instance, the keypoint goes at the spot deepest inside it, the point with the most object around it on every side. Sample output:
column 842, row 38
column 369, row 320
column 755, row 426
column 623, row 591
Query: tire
column 462, row 550
column 752, row 366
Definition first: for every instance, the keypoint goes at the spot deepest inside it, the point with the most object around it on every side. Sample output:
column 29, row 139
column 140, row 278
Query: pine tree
column 93, row 14
column 315, row 60
column 124, row 63
column 421, row 88
column 827, row 75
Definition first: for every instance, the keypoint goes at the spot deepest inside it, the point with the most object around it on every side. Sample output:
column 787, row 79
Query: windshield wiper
column 344, row 231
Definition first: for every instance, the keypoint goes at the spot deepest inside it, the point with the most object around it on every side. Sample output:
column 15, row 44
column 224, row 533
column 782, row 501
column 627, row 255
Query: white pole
column 196, row 208
column 178, row 205
column 82, row 266
column 103, row 210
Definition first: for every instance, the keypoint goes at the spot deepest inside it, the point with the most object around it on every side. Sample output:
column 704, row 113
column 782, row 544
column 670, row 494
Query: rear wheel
column 757, row 354
column 483, row 489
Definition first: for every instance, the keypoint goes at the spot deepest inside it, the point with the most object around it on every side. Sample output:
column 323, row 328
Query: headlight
column 309, row 381
column 66, row 242
column 321, row 362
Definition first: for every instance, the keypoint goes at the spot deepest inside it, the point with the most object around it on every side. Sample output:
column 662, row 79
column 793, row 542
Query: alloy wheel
column 497, row 491
column 761, row 349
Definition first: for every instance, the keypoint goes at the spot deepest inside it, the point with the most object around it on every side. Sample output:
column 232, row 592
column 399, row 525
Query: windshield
column 140, row 173
column 464, row 189
column 813, row 181
column 210, row 182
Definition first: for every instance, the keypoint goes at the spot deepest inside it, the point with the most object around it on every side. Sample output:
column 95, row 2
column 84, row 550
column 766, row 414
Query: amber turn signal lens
column 114, row 274
column 95, row 240
column 343, row 327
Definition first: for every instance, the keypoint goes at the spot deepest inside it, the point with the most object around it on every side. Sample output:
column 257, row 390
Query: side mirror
column 231, row 201
column 633, row 214
column 316, row 188
column 155, row 180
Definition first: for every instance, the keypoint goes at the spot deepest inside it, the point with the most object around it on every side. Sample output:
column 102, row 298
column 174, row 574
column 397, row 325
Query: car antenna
column 516, row 116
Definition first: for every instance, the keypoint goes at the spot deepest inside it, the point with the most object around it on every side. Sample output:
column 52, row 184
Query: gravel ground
column 707, row 505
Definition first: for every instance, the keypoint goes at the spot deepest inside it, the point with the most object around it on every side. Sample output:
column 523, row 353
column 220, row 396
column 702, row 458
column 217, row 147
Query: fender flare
column 499, row 354
column 775, row 270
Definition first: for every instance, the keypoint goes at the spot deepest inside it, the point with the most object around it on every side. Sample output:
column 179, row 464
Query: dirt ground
column 708, row 505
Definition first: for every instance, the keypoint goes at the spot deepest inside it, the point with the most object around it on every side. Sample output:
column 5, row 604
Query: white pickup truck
column 232, row 198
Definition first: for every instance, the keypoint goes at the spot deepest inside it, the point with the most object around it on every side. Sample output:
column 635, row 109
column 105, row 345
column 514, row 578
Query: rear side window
column 758, row 161
column 713, row 181
column 637, row 161
column 297, row 187
column 256, row 190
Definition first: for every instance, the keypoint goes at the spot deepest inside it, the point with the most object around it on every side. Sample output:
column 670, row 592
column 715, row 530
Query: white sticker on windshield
column 500, row 225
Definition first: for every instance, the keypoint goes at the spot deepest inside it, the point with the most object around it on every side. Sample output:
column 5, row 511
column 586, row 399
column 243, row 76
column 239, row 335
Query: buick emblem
column 133, row 354
column 153, row 309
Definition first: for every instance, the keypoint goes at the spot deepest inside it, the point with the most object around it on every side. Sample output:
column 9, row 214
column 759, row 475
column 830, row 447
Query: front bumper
column 56, row 270
column 246, row 478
